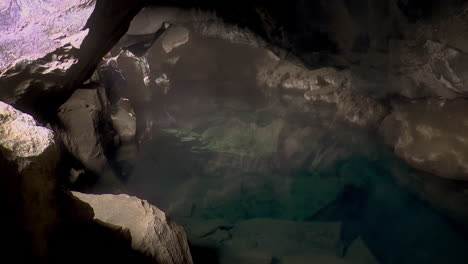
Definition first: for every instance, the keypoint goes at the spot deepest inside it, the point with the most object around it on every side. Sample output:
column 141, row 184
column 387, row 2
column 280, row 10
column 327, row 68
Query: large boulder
column 175, row 37
column 84, row 127
column 430, row 135
column 69, row 39
column 44, row 223
column 153, row 234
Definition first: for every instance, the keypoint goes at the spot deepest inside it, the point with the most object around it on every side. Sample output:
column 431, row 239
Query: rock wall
column 69, row 39
column 402, row 62
column 29, row 160
column 45, row 224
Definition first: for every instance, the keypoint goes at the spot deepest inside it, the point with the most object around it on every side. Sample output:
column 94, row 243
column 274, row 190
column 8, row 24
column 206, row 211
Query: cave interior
column 234, row 132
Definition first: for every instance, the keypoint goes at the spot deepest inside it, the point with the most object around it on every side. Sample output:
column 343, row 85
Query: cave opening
column 259, row 158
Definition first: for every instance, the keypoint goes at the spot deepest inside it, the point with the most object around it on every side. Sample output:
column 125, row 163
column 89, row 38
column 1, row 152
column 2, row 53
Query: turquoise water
column 241, row 199
column 258, row 175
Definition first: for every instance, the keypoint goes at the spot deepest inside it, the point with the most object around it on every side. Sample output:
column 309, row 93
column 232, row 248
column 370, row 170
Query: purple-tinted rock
column 48, row 48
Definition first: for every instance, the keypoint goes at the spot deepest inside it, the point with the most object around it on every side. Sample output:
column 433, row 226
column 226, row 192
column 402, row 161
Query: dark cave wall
column 319, row 33
column 69, row 40
column 305, row 28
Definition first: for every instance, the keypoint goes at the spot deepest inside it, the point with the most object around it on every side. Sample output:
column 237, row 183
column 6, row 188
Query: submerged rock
column 258, row 241
column 153, row 234
column 430, row 135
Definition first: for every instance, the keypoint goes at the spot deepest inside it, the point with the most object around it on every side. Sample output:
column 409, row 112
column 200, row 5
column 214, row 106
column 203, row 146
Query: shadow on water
column 395, row 226
column 204, row 254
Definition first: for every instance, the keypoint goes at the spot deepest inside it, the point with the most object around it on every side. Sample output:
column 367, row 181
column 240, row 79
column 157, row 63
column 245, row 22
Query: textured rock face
column 57, row 23
column 135, row 71
column 430, row 135
column 153, row 234
column 80, row 117
column 175, row 37
column 42, row 221
column 449, row 67
column 28, row 159
column 49, row 47
column 321, row 85
column 86, row 132
column 151, row 19
column 427, row 68
column 124, row 121
column 20, row 136
column 136, row 88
